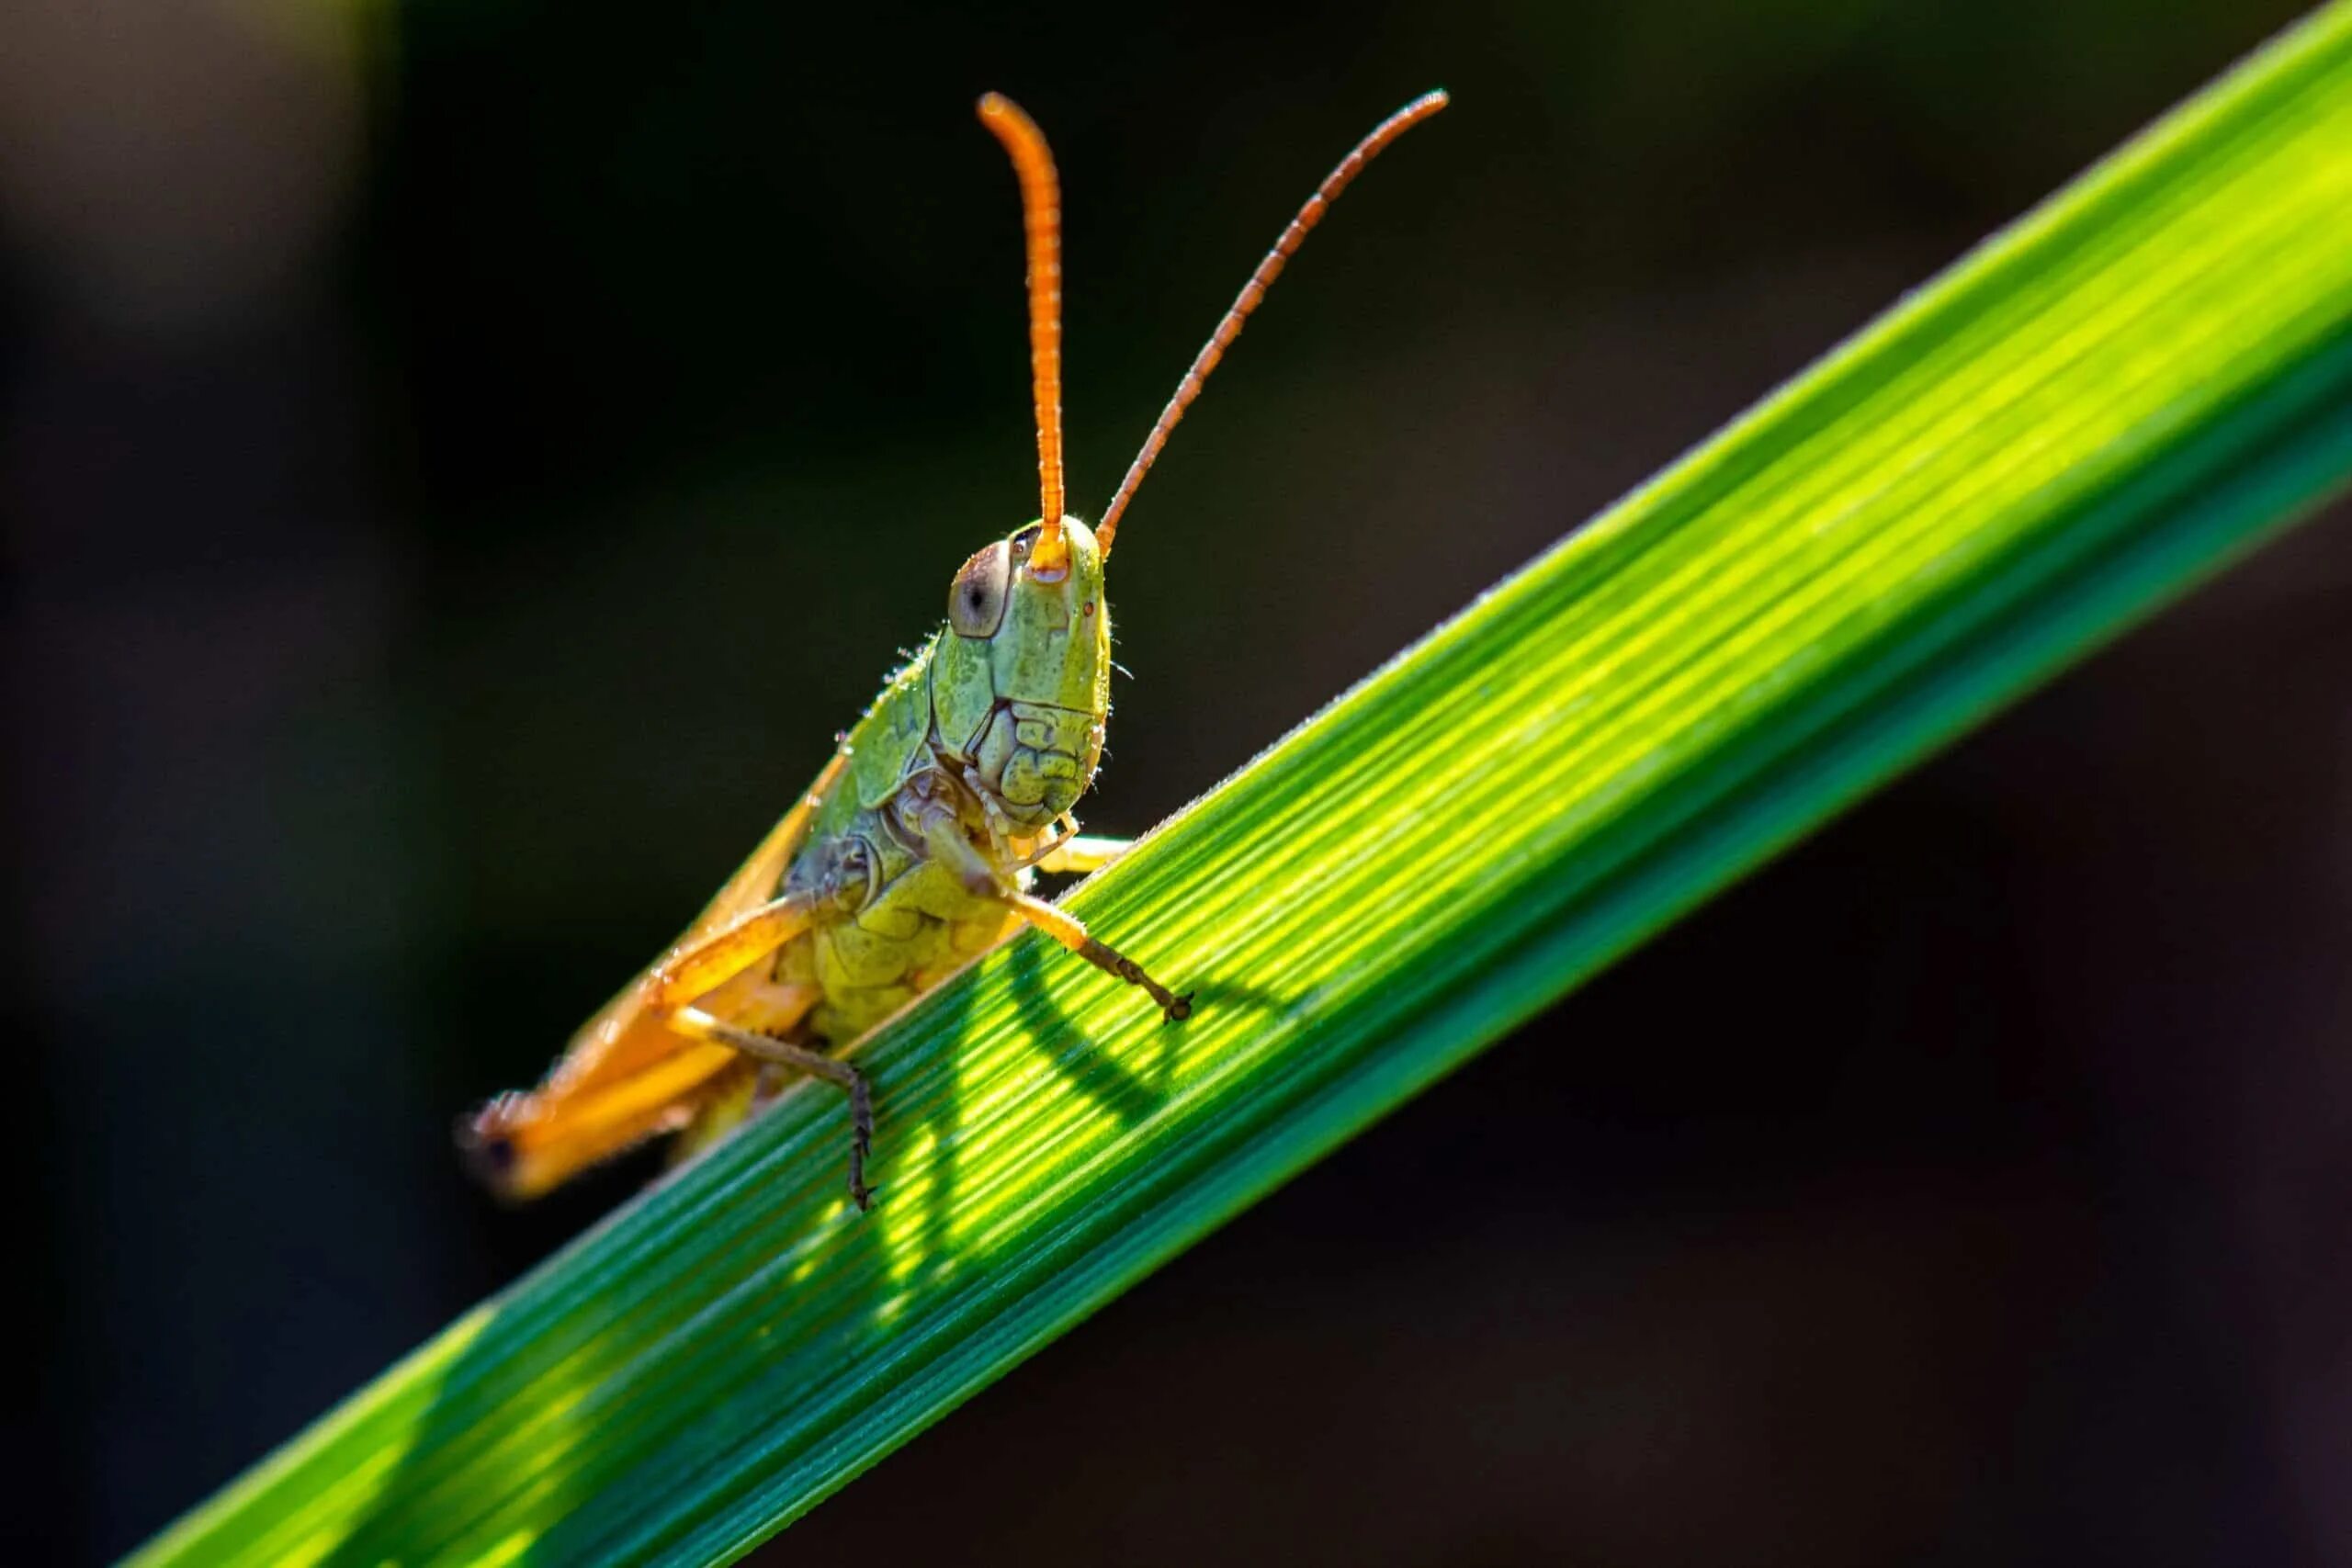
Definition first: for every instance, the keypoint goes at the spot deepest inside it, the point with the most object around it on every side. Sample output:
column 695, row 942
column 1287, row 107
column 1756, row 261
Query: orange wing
column 626, row 1074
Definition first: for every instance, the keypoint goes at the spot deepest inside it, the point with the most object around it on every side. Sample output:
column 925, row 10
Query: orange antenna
column 1041, row 215
column 1386, row 132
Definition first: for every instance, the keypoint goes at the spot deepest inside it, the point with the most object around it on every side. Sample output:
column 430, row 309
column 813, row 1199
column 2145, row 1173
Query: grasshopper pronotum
column 913, row 849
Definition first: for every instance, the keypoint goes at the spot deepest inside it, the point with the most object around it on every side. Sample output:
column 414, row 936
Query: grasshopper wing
column 626, row 1074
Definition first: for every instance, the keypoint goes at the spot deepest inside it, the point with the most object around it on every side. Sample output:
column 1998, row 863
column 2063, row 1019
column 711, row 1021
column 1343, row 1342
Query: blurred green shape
column 2094, row 409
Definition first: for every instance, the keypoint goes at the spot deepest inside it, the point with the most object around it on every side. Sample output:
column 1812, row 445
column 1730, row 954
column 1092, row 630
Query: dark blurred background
column 462, row 462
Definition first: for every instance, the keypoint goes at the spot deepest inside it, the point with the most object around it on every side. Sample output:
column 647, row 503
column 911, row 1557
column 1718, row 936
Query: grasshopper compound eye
column 976, row 601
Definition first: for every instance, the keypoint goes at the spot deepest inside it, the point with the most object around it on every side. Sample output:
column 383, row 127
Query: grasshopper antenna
column 1365, row 152
column 1041, row 217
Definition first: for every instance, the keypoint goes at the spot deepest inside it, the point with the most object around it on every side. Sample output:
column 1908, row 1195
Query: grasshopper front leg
column 1072, row 932
column 1079, row 854
column 944, row 836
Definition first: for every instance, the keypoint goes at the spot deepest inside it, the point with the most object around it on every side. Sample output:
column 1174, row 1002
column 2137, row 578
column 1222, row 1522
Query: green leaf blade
column 2093, row 409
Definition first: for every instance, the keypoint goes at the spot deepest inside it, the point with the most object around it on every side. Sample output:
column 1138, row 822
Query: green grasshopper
column 914, row 849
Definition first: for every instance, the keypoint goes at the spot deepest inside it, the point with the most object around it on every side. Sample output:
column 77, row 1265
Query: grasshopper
column 914, row 850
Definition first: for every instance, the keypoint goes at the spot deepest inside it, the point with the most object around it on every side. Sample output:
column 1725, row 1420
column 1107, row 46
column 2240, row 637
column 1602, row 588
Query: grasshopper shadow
column 1118, row 1090
column 1127, row 1096
column 1076, row 1056
column 874, row 1274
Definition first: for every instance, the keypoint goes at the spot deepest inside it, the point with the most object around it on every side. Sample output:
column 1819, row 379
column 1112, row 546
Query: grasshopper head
column 1022, row 680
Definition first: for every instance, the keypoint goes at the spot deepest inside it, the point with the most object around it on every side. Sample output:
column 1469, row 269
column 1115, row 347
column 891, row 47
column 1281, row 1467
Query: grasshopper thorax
column 1021, row 682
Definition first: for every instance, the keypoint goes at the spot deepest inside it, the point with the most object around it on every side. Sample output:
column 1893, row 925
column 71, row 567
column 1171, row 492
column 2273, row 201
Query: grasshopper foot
column 861, row 1139
column 1111, row 961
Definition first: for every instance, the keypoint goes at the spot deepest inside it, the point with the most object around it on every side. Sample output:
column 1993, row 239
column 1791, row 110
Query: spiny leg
column 945, row 839
column 753, row 1001
column 697, row 1024
column 697, row 969
column 1072, row 932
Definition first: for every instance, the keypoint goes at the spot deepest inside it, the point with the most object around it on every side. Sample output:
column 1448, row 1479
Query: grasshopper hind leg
column 697, row 1024
column 746, row 1091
